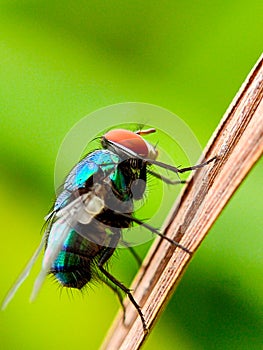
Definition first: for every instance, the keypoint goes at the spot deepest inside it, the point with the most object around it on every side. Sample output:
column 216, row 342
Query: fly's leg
column 103, row 259
column 166, row 179
column 182, row 170
column 119, row 296
column 198, row 166
column 135, row 255
column 133, row 252
column 154, row 230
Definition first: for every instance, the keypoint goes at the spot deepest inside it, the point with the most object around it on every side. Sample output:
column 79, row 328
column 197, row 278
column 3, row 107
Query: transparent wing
column 82, row 210
column 23, row 275
column 58, row 233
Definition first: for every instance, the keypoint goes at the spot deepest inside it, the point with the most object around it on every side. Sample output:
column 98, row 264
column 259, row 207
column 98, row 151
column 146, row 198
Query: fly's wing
column 81, row 210
column 59, row 232
column 23, row 275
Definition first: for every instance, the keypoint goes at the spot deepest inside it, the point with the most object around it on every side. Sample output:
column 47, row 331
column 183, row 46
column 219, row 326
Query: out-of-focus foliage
column 61, row 60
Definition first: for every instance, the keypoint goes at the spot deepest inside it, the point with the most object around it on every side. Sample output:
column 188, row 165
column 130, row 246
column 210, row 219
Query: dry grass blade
column 238, row 141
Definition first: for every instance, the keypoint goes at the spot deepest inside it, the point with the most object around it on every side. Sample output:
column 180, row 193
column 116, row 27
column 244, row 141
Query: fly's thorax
column 90, row 169
column 129, row 179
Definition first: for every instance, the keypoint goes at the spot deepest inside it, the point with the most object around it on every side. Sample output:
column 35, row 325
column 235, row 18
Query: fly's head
column 128, row 144
column 136, row 153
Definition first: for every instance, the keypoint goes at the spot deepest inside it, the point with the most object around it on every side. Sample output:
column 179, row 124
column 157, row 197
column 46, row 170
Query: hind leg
column 107, row 253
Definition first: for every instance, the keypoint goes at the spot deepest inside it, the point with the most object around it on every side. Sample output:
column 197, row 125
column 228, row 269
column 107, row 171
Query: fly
column 96, row 204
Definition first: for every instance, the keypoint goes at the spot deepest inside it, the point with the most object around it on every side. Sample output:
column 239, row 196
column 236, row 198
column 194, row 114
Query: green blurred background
column 61, row 60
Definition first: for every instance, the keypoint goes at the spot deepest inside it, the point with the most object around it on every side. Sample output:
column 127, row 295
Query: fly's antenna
column 145, row 132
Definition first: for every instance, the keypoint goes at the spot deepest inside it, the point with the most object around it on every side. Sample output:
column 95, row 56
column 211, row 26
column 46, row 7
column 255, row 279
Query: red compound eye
column 128, row 139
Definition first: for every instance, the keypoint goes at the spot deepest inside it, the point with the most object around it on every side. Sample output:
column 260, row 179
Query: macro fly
column 96, row 203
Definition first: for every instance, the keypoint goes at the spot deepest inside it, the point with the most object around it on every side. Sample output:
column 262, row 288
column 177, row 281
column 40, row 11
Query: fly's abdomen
column 72, row 267
column 71, row 270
